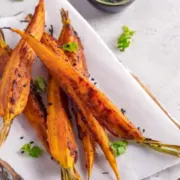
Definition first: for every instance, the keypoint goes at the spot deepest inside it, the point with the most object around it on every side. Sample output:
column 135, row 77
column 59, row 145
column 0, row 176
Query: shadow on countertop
column 85, row 8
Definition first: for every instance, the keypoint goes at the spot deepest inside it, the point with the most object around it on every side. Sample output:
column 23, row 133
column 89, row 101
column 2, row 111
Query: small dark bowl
column 111, row 7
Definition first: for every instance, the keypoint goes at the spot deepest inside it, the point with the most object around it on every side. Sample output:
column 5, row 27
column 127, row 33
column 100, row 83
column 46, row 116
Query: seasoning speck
column 123, row 110
column 143, row 130
column 51, row 30
column 95, row 83
column 24, row 21
column 22, row 152
column 105, row 173
column 49, row 104
column 139, row 128
column 52, row 158
column 92, row 79
column 31, row 142
column 157, row 175
column 24, row 85
column 21, row 137
column 19, row 75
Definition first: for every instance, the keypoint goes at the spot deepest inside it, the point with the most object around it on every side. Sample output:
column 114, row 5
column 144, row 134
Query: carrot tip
column 4, row 132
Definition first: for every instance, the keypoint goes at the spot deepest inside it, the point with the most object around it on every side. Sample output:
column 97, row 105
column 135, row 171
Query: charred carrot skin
column 34, row 111
column 77, row 60
column 98, row 132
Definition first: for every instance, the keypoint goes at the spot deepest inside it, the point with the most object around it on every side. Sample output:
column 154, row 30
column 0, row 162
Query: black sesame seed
column 31, row 142
column 49, row 104
column 95, row 83
column 139, row 128
column 12, row 100
column 21, row 137
column 74, row 64
column 24, row 85
column 22, row 152
column 19, row 75
column 51, row 30
column 92, row 79
column 52, row 158
column 143, row 130
column 123, row 110
column 105, row 173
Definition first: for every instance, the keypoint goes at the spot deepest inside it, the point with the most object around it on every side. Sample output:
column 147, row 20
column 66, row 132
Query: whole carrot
column 15, row 84
column 60, row 135
column 34, row 111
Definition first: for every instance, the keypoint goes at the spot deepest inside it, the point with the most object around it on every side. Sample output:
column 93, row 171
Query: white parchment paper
column 118, row 84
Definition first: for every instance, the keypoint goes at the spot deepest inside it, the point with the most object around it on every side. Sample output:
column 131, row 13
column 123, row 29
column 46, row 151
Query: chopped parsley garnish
column 40, row 84
column 119, row 147
column 71, row 47
column 32, row 151
column 125, row 38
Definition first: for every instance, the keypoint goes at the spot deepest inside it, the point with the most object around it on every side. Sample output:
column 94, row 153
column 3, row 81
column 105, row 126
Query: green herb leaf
column 26, row 147
column 32, row 151
column 71, row 47
column 125, row 38
column 35, row 151
column 119, row 147
column 40, row 84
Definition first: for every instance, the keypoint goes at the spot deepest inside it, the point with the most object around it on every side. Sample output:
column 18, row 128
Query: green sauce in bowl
column 114, row 2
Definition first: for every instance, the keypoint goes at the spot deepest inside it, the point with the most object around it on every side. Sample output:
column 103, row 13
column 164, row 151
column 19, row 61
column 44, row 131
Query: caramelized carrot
column 13, row 92
column 34, row 111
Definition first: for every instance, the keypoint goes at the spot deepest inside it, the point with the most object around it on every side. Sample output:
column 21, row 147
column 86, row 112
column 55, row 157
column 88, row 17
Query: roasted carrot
column 60, row 135
column 77, row 86
column 15, row 84
column 34, row 111
column 78, row 61
column 98, row 131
